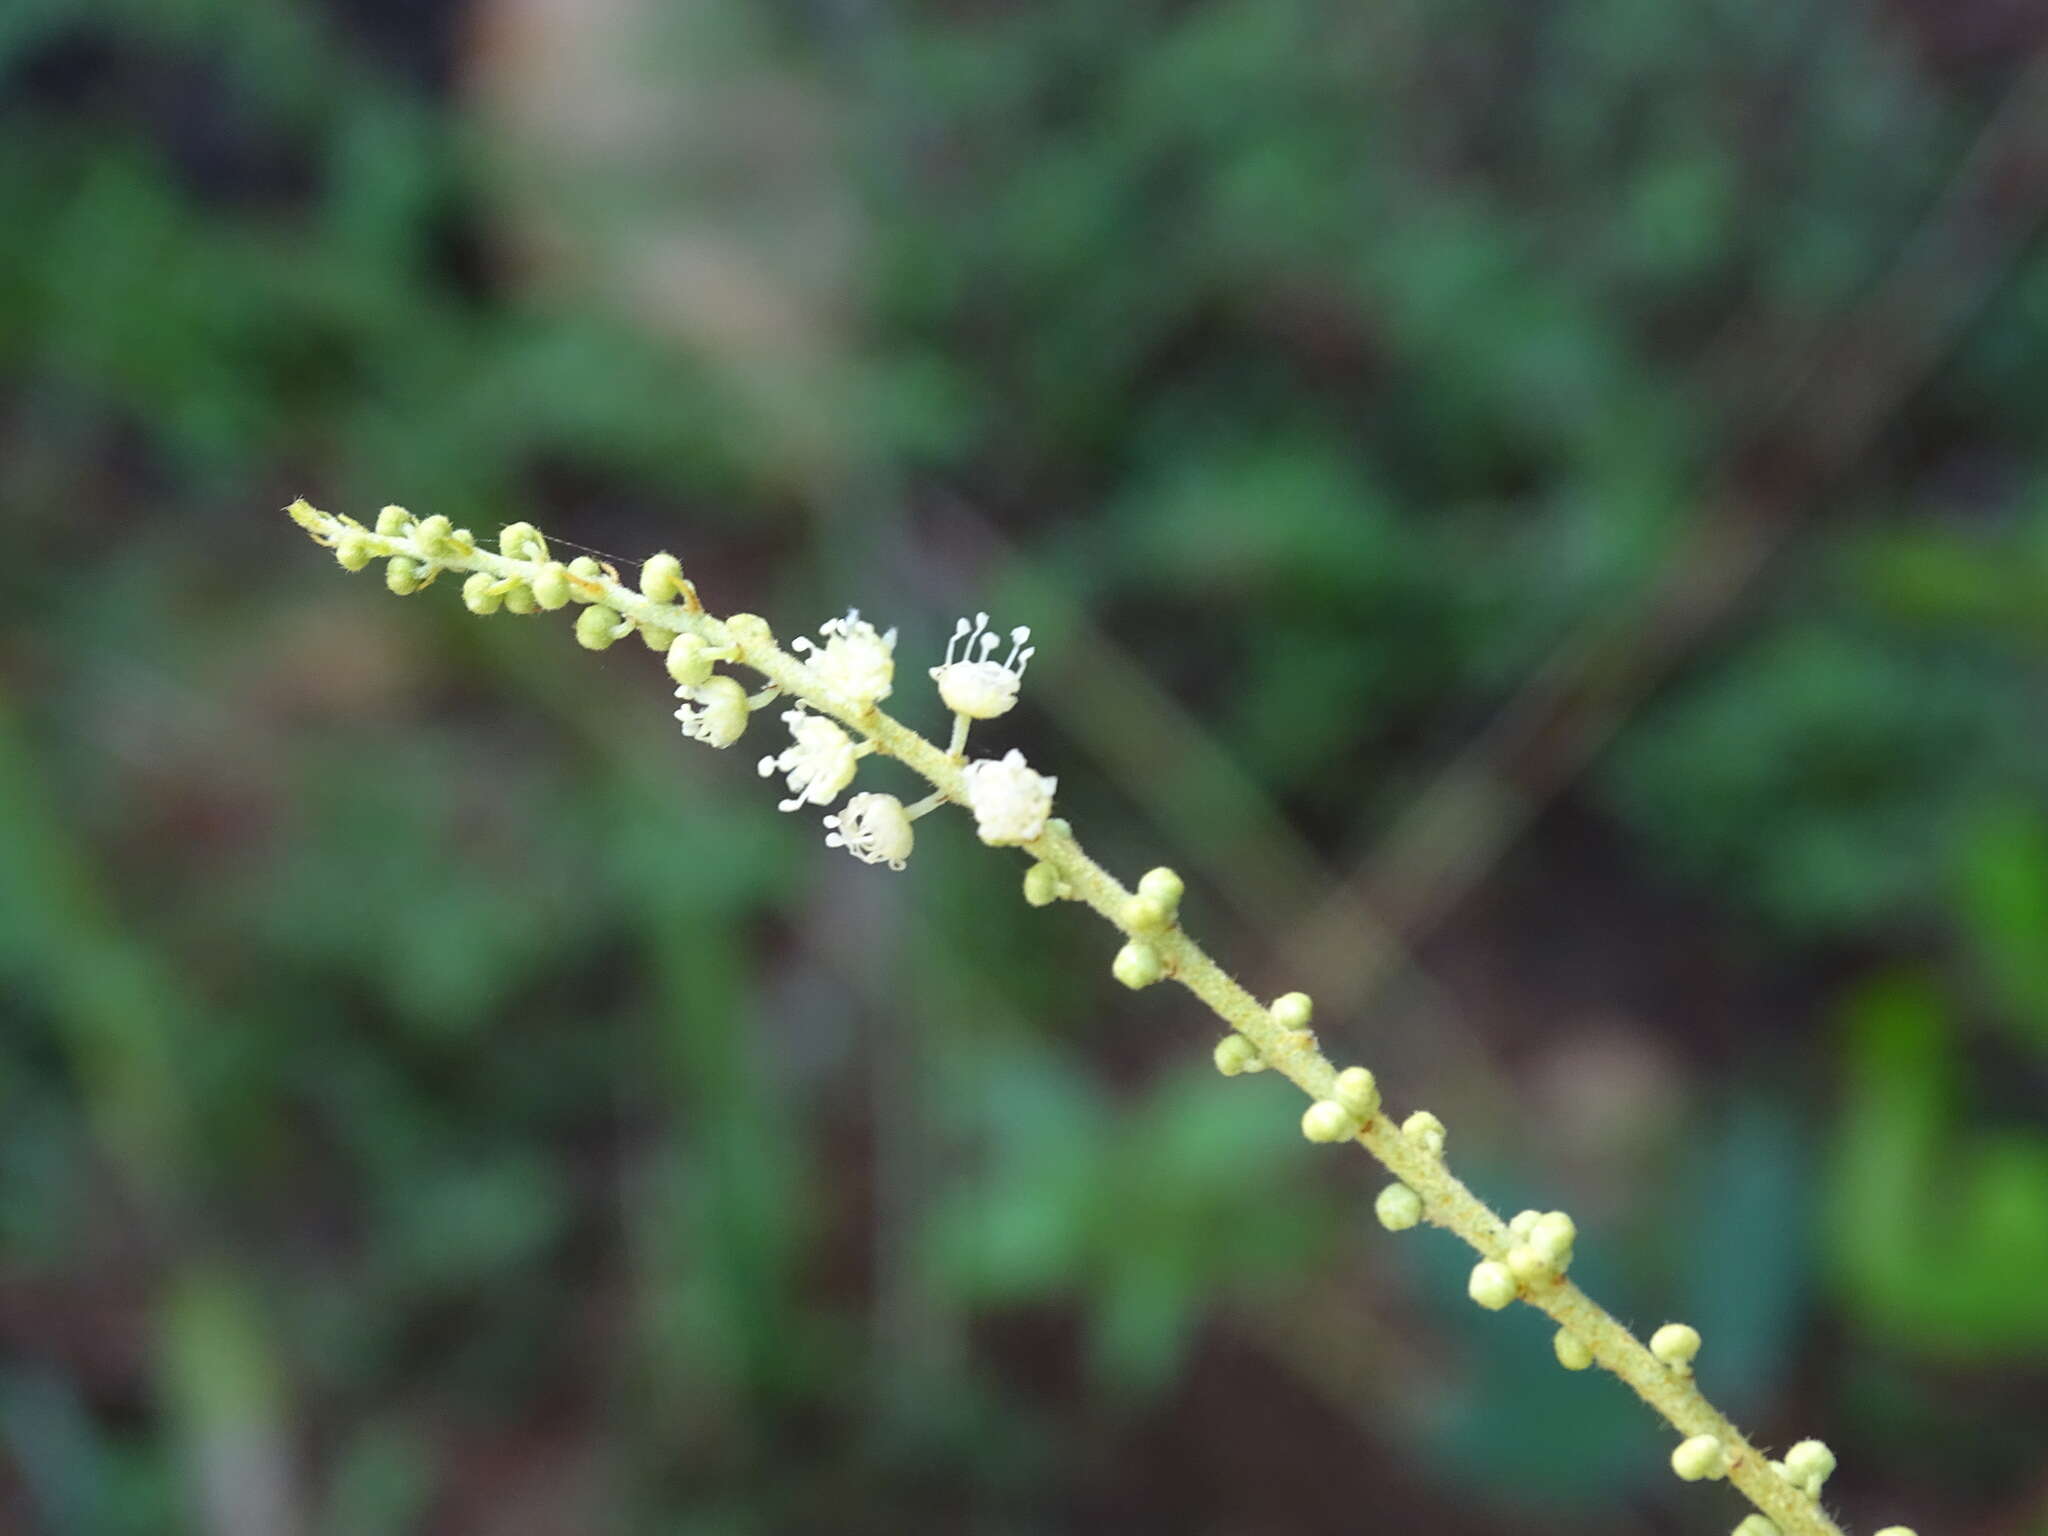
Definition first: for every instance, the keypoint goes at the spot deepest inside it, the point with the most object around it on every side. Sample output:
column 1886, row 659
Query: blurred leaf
column 1935, row 1233
column 381, row 1484
column 2004, row 880
column 1817, row 777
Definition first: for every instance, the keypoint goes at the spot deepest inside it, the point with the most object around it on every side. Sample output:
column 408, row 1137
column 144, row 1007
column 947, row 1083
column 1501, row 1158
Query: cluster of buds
column 1148, row 917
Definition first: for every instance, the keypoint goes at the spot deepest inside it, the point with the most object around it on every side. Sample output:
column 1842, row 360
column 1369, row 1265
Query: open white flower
column 818, row 763
column 1009, row 799
column 720, row 714
column 855, row 662
column 873, row 828
column 973, row 683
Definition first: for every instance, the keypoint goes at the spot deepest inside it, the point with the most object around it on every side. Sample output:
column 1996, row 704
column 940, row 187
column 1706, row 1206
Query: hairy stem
column 1446, row 1202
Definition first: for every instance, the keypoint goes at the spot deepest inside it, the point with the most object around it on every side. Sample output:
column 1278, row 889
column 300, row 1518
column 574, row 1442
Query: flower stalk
column 837, row 690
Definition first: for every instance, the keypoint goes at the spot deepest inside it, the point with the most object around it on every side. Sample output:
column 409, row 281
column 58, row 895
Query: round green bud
column 1528, row 1266
column 519, row 599
column 1163, row 886
column 1756, row 1525
column 402, row 575
column 661, row 578
column 1137, row 965
column 656, row 638
column 1675, row 1344
column 1293, row 1010
column 551, row 587
column 522, row 541
column 1898, row 1530
column 434, row 535
column 1041, row 881
column 1398, row 1207
column 1524, row 1222
column 587, row 568
column 1426, row 1131
column 1236, row 1055
column 1358, row 1091
column 1700, row 1457
column 352, row 551
column 1144, row 915
column 686, row 661
column 750, row 631
column 595, row 626
column 478, row 594
column 1571, row 1350
column 1552, row 1236
column 1327, row 1120
column 393, row 522
column 1491, row 1285
column 1809, row 1464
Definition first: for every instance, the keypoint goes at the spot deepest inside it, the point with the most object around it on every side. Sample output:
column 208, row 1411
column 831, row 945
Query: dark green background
column 1564, row 480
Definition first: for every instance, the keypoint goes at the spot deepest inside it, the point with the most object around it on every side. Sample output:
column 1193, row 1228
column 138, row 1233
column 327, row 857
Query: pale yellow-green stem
column 1166, row 951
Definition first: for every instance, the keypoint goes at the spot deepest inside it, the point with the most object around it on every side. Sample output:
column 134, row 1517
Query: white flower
column 1010, row 802
column 721, row 712
column 975, row 685
column 873, row 828
column 855, row 662
column 818, row 764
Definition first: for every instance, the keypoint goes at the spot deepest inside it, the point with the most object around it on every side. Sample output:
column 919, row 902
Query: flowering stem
column 1282, row 1043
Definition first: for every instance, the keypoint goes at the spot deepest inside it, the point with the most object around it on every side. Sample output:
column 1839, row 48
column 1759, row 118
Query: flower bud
column 686, row 661
column 661, row 578
column 479, row 594
column 402, row 575
column 1571, row 1350
column 1327, row 1120
column 1756, row 1525
column 1528, row 1266
column 586, row 569
column 1552, row 1235
column 393, row 522
column 522, row 541
column 1398, row 1207
column 1426, row 1131
column 656, row 638
column 1292, row 1010
column 1809, row 1464
column 434, row 535
column 1236, row 1055
column 1700, row 1457
column 519, row 599
column 1041, row 884
column 1144, row 915
column 1358, row 1091
column 352, row 550
column 551, row 587
column 1675, row 1344
column 595, row 627
column 1491, row 1285
column 1163, row 886
column 1137, row 965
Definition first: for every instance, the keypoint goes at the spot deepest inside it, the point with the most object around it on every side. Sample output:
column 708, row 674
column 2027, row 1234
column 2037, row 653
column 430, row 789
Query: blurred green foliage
column 427, row 1091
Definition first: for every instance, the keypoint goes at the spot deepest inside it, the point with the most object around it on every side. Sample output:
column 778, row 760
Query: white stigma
column 971, row 681
column 818, row 763
column 1009, row 799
